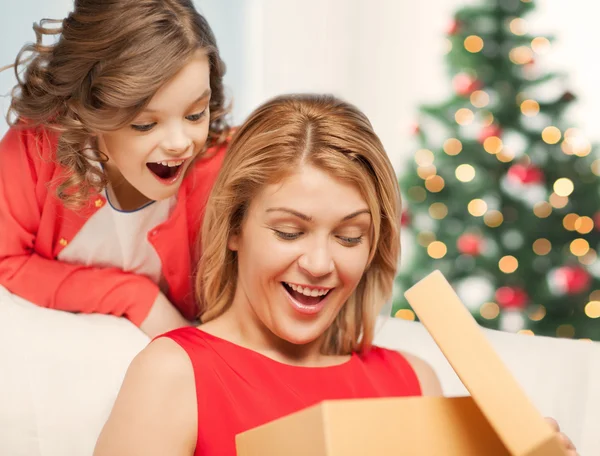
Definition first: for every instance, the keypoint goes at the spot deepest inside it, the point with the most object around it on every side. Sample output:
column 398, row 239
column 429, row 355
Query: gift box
column 497, row 419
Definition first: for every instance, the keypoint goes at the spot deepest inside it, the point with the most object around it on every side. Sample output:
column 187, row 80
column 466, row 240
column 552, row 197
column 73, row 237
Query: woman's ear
column 233, row 242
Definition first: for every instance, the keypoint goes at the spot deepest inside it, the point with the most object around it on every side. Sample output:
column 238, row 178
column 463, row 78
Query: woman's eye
column 196, row 117
column 351, row 241
column 143, row 127
column 286, row 236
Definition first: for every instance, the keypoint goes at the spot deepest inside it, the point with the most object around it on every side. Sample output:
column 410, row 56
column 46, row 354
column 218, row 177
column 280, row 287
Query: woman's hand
column 566, row 441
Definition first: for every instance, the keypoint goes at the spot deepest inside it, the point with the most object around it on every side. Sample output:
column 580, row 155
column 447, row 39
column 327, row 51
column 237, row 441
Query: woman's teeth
column 307, row 291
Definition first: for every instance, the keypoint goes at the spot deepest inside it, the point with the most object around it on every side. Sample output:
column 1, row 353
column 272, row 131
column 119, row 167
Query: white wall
column 386, row 56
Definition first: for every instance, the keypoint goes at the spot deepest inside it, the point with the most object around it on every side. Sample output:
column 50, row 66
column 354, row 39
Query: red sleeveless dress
column 238, row 389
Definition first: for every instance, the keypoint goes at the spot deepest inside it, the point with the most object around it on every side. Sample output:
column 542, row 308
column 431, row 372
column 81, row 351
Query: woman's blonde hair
column 277, row 138
column 109, row 60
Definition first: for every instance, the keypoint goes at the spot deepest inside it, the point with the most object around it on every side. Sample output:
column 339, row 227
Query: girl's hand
column 163, row 317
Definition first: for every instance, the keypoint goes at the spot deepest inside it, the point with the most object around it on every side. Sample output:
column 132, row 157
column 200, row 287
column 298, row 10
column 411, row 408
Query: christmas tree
column 502, row 195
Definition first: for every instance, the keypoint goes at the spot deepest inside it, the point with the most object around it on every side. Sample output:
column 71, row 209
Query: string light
column 589, row 258
column 480, row 99
column 520, row 55
column 424, row 157
column 425, row 172
column 437, row 250
column 473, row 43
column 584, row 225
column 540, row 45
column 595, row 167
column 563, row 186
column 592, row 309
column 542, row 246
column 417, row 194
column 542, row 209
column 405, row 314
column 518, row 26
column 492, row 145
column 465, row 173
column 424, row 238
column 537, row 313
column 434, row 184
column 569, row 221
column 477, row 207
column 526, row 332
column 551, row 135
column 530, row 108
column 489, row 310
column 505, row 155
column 464, row 116
column 508, row 264
column 579, row 247
column 487, row 118
column 557, row 201
column 493, row 219
column 576, row 143
column 438, row 211
column 447, row 46
column 452, row 146
column 566, row 331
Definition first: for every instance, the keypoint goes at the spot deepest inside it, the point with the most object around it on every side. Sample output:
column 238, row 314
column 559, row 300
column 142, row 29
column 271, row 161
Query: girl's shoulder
column 35, row 142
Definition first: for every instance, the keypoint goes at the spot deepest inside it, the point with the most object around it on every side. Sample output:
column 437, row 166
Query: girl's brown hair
column 109, row 60
column 277, row 138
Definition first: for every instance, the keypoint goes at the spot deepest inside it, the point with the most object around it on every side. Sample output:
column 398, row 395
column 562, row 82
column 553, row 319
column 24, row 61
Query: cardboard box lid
column 502, row 401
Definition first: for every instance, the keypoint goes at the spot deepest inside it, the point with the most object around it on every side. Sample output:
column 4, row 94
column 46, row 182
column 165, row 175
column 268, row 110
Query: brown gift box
column 497, row 419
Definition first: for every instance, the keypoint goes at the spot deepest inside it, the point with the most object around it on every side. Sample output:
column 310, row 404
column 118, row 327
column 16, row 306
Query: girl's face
column 302, row 250
column 149, row 157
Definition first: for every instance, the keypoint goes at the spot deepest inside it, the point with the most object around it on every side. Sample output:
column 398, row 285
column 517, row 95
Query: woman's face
column 151, row 155
column 301, row 252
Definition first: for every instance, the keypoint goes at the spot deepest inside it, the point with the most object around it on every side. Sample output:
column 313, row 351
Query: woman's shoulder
column 405, row 362
column 428, row 379
column 161, row 368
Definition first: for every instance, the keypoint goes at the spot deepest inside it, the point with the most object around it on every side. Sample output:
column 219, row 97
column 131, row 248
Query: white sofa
column 60, row 373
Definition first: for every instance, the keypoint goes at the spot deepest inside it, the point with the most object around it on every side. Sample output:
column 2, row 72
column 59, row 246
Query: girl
column 301, row 244
column 119, row 131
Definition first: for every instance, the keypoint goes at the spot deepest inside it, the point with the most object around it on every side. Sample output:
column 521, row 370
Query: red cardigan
column 35, row 227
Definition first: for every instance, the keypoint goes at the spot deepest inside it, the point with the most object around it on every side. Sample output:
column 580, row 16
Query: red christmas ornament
column 596, row 219
column 465, row 85
column 469, row 244
column 571, row 279
column 405, row 218
column 489, row 131
column 525, row 174
column 511, row 298
column 454, row 27
column 415, row 129
column 567, row 96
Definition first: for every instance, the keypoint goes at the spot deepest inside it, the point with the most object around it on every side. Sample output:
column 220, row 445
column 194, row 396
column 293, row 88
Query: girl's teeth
column 171, row 164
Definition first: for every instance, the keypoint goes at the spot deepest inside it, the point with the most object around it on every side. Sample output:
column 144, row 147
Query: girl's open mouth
column 167, row 172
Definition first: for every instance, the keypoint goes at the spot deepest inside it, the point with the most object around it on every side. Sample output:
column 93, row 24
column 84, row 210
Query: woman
column 301, row 241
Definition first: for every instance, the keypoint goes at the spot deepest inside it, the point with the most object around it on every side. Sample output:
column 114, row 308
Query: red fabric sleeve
column 42, row 280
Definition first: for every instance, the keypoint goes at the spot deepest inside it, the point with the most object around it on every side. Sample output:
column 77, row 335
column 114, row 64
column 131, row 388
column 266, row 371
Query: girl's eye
column 351, row 241
column 286, row 236
column 196, row 117
column 144, row 127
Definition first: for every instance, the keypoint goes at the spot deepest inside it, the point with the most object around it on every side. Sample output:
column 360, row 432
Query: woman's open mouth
column 306, row 300
column 168, row 171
